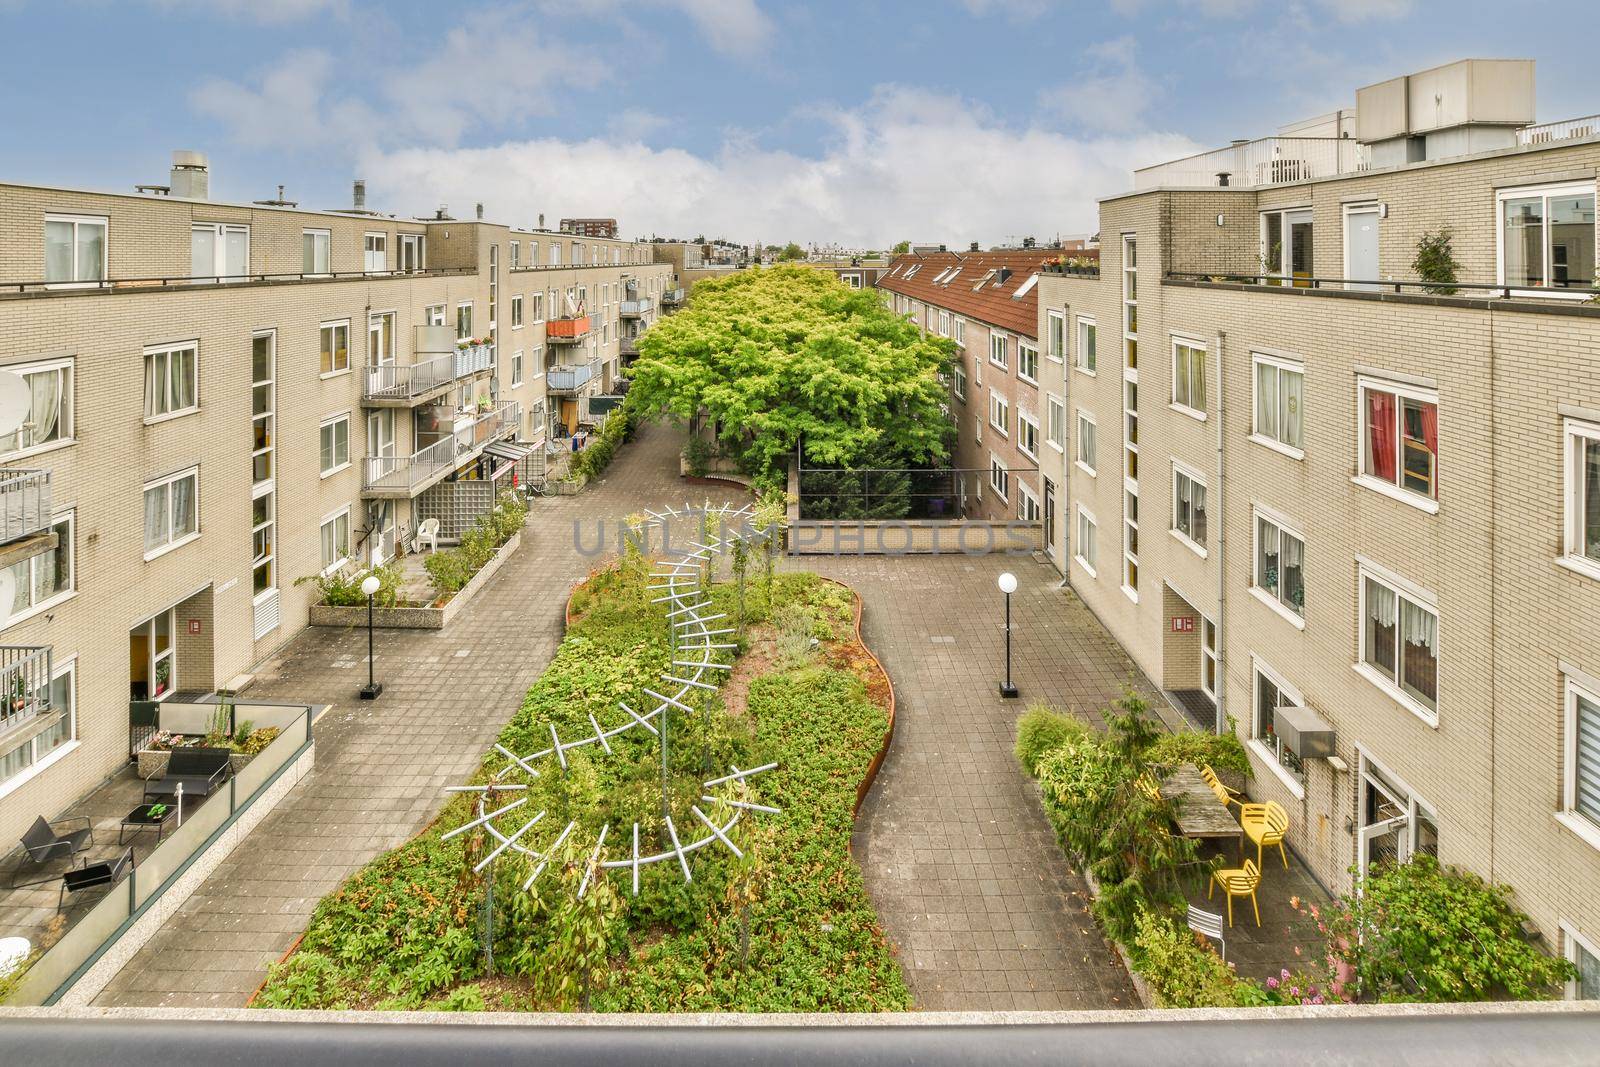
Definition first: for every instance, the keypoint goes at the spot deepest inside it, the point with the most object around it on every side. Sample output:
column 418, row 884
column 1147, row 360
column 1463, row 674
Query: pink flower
column 1272, row 983
column 1284, row 973
column 1294, row 902
column 1317, row 999
column 1297, row 950
column 1315, row 912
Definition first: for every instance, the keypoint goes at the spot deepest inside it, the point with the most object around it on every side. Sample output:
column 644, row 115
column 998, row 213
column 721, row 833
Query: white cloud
column 1109, row 91
column 264, row 11
column 288, row 108
column 635, row 124
column 908, row 162
column 1368, row 10
column 733, row 27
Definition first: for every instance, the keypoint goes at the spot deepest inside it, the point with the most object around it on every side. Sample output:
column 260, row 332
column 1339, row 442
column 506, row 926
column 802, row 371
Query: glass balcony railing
column 404, row 381
column 24, row 504
column 408, row 475
column 569, row 379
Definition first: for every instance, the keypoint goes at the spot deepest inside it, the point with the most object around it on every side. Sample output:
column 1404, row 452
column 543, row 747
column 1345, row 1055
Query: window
column 1208, row 658
column 316, row 251
column 944, row 324
column 852, row 280
column 169, row 381
column 380, row 338
column 538, row 306
column 263, row 353
column 335, row 344
column 555, row 253
column 1130, row 544
column 1130, row 300
column 1286, row 244
column 1279, row 575
column 538, row 361
column 1189, row 508
column 1400, row 439
column 218, row 251
column 999, row 477
column 1547, row 237
column 1027, row 362
column 1087, row 445
column 516, row 368
column 46, row 578
column 262, row 516
column 1086, row 334
column 171, row 511
column 49, row 420
column 1189, row 376
column 74, row 248
column 516, row 312
column 1586, row 958
column 1027, row 505
column 961, row 331
column 1582, row 777
column 516, row 254
column 1271, row 694
column 997, row 349
column 1400, row 644
column 1028, row 435
column 959, row 380
column 1026, row 287
column 1087, row 548
column 999, row 413
column 412, row 252
column 375, row 252
column 335, row 541
column 1055, row 423
column 335, row 436
column 17, row 762
column 1055, row 340
column 1583, row 496
column 433, row 315
column 1279, row 403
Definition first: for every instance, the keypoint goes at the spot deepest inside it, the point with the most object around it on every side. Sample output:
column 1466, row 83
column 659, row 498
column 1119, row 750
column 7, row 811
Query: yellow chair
column 1238, row 882
column 1224, row 793
column 1265, row 824
column 1148, row 785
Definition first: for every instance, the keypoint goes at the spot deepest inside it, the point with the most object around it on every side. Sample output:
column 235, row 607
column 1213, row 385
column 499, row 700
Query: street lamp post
column 1008, row 585
column 369, row 587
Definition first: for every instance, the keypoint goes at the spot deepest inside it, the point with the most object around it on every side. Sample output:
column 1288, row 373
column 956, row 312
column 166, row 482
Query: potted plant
column 163, row 676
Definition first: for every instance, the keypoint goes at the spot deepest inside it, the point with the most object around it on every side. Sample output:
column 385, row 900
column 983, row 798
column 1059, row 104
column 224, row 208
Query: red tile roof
column 951, row 280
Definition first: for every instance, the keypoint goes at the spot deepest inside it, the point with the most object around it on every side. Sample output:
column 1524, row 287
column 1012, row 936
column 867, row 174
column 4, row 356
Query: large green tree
column 792, row 355
column 791, row 251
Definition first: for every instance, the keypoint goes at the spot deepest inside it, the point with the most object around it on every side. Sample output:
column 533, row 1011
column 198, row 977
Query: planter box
column 152, row 762
column 420, row 618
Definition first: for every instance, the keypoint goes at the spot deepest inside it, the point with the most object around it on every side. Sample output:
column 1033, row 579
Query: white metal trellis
column 690, row 632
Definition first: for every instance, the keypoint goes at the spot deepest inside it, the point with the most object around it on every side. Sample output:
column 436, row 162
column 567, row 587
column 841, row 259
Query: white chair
column 428, row 534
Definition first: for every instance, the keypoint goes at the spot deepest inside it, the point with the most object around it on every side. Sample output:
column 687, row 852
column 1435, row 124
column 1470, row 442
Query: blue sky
column 861, row 122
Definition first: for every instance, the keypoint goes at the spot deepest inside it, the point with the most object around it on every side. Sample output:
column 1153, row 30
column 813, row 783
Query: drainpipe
column 1222, row 544
column 1066, row 439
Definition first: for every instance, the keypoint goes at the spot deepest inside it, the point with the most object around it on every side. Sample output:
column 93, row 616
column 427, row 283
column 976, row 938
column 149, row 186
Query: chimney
column 191, row 176
column 541, row 220
column 1027, row 242
column 359, row 195
column 1000, row 279
column 479, row 208
column 974, row 247
column 942, row 248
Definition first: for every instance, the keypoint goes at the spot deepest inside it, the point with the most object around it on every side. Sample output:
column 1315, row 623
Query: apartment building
column 988, row 303
column 227, row 398
column 1353, row 517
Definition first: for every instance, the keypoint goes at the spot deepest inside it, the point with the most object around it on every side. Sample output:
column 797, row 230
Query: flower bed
column 788, row 928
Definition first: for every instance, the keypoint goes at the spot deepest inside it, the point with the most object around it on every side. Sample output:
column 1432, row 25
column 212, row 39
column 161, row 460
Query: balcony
column 24, row 515
column 568, row 379
column 634, row 309
column 1265, row 161
column 169, row 283
column 568, row 330
column 405, row 385
column 672, row 298
column 406, row 476
column 628, row 347
column 25, row 709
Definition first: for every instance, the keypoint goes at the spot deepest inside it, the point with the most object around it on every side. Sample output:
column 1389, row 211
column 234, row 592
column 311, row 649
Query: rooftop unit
column 1471, row 105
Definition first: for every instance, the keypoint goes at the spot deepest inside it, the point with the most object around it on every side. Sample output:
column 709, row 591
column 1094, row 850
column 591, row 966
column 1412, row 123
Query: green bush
column 1184, row 972
column 1436, row 262
column 450, row 569
column 1041, row 730
column 697, row 453
column 342, row 588
column 1223, row 752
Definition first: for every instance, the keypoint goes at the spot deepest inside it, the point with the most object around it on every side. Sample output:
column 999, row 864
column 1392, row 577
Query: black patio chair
column 94, row 874
column 41, row 844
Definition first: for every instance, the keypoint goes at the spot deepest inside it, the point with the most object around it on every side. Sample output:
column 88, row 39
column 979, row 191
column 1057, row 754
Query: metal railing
column 1492, row 290
column 24, row 503
column 628, row 346
column 401, row 381
column 1265, row 161
column 672, row 296
column 568, row 379
column 408, row 473
column 635, row 308
column 567, row 329
column 826, row 494
column 24, row 684
column 1565, row 130
column 184, row 281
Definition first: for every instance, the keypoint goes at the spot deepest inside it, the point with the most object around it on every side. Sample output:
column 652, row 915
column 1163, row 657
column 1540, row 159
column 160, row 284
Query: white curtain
column 180, row 368
column 155, row 383
column 1380, row 604
column 155, row 517
column 1419, row 627
column 45, row 406
column 183, row 520
column 1293, row 386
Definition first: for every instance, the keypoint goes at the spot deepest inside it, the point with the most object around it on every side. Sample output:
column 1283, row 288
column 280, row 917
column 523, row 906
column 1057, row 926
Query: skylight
column 1022, row 290
column 952, row 277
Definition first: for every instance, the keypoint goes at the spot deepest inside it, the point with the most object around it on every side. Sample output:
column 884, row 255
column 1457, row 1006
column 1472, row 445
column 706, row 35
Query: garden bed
column 434, row 616
column 789, row 928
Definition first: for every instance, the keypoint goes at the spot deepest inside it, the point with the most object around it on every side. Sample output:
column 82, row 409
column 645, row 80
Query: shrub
column 1220, row 751
column 1436, row 262
column 450, row 569
column 697, row 453
column 1040, row 731
column 342, row 588
column 1183, row 971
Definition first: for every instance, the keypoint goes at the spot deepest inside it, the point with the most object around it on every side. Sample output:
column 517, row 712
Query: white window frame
column 999, row 477
column 852, row 280
column 1282, row 365
column 1024, row 348
column 1572, row 941
column 958, row 382
column 324, row 238
column 1091, row 464
column 1210, row 653
column 270, row 556
column 516, row 311
column 1025, row 423
column 1275, row 601
column 1130, row 558
column 1055, row 423
column 537, row 352
column 67, row 517
column 192, row 347
column 464, row 305
column 334, row 371
column 1179, row 344
column 66, row 374
column 219, row 233
column 961, row 331
column 1195, row 478
column 331, row 517
column 1028, row 509
column 1004, row 362
column 998, row 402
column 1576, row 684
column 537, row 315
column 1091, row 365
column 166, row 482
column 1055, row 324
column 1405, row 591
column 1401, row 391
column 1575, row 434
column 516, row 254
column 77, row 281
column 325, row 423
column 1546, row 192
column 62, row 668
column 516, row 368
column 418, row 254
column 1088, row 562
column 1262, row 749
column 380, row 238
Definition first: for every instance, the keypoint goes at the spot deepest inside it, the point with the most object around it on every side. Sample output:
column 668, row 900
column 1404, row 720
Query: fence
column 24, row 503
column 1265, row 161
column 116, row 914
column 950, row 493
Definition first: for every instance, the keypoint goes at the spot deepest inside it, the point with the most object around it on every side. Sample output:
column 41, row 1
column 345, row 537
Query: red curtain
column 1430, row 436
column 1380, row 431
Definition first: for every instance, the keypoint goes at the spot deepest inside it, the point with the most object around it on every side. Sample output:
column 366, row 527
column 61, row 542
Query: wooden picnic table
column 1199, row 813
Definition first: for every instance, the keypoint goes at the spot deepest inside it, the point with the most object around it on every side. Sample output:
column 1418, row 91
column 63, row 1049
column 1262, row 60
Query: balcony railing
column 24, row 685
column 1266, row 161
column 672, row 296
column 1566, row 130
column 185, row 281
column 410, row 474
column 632, row 309
column 404, row 381
column 567, row 330
column 628, row 346
column 1550, row 296
column 568, row 379
column 24, row 504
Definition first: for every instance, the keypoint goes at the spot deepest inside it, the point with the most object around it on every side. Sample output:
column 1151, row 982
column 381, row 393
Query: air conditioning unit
column 1303, row 732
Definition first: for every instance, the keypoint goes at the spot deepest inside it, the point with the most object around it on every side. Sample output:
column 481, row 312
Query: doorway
column 1050, row 518
column 380, row 518
column 1395, row 824
column 153, row 657
column 1361, row 246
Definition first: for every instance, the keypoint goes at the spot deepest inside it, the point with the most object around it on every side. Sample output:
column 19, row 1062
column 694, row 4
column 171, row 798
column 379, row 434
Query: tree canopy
column 902, row 247
column 792, row 251
column 789, row 354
